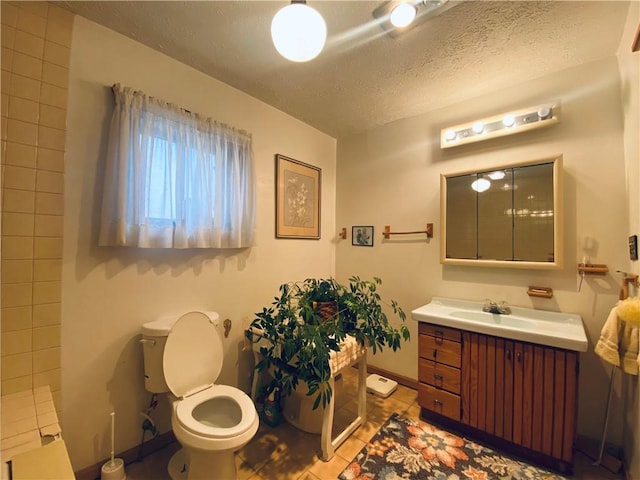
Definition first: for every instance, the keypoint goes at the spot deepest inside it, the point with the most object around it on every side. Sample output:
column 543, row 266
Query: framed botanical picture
column 362, row 236
column 297, row 199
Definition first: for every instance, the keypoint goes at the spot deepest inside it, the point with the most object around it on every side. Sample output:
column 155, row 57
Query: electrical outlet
column 633, row 247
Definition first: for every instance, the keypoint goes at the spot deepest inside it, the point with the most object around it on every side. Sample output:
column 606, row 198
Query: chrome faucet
column 501, row 308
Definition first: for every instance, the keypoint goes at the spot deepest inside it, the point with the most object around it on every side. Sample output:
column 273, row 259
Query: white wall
column 629, row 63
column 390, row 176
column 109, row 292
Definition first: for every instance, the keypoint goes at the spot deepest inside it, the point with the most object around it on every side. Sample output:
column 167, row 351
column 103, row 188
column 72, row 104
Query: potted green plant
column 296, row 335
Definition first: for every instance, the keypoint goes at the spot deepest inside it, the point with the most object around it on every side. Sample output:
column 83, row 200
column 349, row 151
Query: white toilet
column 184, row 355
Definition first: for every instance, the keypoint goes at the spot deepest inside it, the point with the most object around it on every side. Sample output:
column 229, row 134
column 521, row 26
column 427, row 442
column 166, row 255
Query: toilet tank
column 154, row 337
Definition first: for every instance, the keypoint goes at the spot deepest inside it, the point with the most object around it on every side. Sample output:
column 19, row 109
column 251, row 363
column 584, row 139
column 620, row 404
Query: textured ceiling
column 365, row 78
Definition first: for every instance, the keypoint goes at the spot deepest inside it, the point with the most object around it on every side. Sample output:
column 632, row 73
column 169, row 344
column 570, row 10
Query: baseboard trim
column 401, row 379
column 95, row 471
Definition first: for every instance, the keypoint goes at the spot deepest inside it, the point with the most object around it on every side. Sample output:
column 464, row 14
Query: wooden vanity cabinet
column 520, row 394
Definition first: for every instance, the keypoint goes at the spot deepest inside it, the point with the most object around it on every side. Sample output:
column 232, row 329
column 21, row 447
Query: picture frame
column 298, row 193
column 362, row 236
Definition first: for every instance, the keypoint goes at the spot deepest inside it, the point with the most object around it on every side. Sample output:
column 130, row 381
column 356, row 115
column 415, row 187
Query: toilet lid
column 193, row 354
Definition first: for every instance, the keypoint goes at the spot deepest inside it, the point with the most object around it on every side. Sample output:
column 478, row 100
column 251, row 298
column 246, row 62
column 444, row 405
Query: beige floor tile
column 309, row 476
column 405, row 394
column 153, row 466
column 392, row 405
column 245, row 471
column 342, row 418
column 413, row 411
column 285, row 467
column 262, row 449
column 585, row 470
column 330, row 469
column 367, row 431
column 350, row 448
column 377, row 415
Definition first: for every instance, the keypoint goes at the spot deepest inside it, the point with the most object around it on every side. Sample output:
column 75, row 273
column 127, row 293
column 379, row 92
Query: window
column 175, row 179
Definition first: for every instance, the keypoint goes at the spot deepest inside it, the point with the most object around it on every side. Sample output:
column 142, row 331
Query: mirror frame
column 557, row 218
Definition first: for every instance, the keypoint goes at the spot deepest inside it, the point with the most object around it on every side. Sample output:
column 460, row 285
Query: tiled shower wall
column 36, row 41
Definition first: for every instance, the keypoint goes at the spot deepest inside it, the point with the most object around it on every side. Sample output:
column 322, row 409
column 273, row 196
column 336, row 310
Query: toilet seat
column 192, row 358
column 192, row 361
column 186, row 407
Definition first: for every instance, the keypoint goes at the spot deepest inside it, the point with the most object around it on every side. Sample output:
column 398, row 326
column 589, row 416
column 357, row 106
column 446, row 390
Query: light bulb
column 508, row 120
column 402, row 15
column 478, row 127
column 481, row 185
column 544, row 112
column 450, row 135
column 298, row 32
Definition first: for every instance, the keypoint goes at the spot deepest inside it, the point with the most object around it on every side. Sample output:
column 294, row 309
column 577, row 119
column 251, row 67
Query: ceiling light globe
column 298, row 32
column 402, row 15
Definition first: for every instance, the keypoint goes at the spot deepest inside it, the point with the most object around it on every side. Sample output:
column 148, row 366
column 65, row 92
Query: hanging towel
column 618, row 344
column 629, row 349
column 608, row 343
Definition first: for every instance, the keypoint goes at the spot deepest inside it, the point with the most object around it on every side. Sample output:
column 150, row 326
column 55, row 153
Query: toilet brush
column 114, row 468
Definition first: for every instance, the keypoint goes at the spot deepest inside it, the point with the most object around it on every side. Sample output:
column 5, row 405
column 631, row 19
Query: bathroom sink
column 493, row 319
column 555, row 329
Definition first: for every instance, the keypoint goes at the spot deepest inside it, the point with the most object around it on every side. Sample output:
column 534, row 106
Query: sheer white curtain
column 175, row 179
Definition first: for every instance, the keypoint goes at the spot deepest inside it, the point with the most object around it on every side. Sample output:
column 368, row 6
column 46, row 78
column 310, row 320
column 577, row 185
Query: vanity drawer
column 441, row 332
column 440, row 350
column 439, row 401
column 439, row 375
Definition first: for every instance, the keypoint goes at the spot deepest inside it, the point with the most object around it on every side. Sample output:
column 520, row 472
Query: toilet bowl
column 210, row 421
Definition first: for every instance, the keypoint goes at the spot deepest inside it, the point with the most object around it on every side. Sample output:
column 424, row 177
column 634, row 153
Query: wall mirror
column 508, row 216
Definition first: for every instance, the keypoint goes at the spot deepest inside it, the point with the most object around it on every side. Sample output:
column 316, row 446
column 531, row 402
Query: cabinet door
column 544, row 416
column 523, row 393
column 482, row 392
column 566, row 375
column 474, row 380
column 524, row 384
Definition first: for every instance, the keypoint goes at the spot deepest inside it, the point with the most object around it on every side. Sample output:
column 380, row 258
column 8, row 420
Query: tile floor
column 286, row 453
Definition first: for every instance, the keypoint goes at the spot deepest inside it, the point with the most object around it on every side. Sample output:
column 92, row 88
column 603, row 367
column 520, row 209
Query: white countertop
column 554, row 329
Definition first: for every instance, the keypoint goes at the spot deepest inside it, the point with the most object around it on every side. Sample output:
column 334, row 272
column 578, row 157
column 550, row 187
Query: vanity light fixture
column 298, row 32
column 398, row 16
column 500, row 125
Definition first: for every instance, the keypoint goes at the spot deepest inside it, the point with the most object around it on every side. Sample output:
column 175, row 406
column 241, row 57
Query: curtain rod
column 142, row 93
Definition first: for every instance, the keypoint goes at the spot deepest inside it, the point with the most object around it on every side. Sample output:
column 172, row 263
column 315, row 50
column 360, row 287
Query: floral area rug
column 407, row 449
